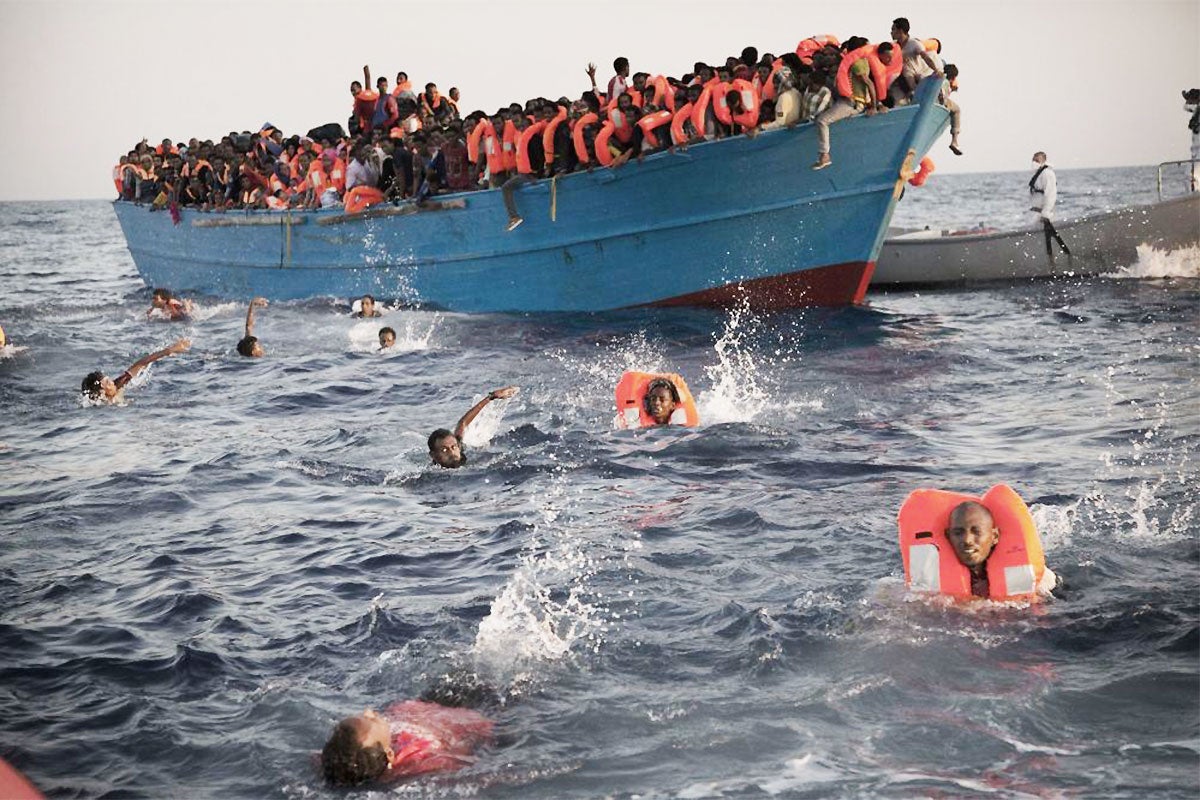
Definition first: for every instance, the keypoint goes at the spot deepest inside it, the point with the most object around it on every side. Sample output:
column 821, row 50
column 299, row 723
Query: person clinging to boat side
column 99, row 388
column 249, row 345
column 445, row 447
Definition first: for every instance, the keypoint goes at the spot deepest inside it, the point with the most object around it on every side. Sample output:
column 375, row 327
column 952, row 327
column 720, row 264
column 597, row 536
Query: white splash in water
column 413, row 335
column 201, row 313
column 1153, row 263
column 550, row 610
column 487, row 424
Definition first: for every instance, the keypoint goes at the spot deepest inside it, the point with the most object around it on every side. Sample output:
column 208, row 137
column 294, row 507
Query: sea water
column 197, row 583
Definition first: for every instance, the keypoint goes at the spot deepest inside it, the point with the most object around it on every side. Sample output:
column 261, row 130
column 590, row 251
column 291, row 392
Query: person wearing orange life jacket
column 493, row 148
column 683, row 128
column 647, row 400
column 531, row 160
column 508, row 141
column 452, row 98
column 433, row 104
column 743, row 104
column 655, row 128
column 556, row 139
column 118, row 176
column 857, row 90
column 335, row 168
column 997, row 553
column 583, row 134
column 364, row 103
column 619, row 115
column 318, row 182
column 403, row 90
column 710, row 114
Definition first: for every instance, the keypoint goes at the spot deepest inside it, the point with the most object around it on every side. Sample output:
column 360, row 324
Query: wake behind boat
column 1097, row 243
column 740, row 219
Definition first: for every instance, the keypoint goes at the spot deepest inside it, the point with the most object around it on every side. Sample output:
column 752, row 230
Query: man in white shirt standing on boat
column 1043, row 192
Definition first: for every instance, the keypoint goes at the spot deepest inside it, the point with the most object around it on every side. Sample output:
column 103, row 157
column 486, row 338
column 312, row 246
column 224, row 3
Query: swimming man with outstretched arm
column 249, row 345
column 98, row 387
column 445, row 447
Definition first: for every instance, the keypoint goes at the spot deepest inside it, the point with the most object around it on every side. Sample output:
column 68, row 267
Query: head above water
column 250, row 347
column 445, row 449
column 359, row 750
column 660, row 400
column 387, row 337
column 97, row 385
column 972, row 532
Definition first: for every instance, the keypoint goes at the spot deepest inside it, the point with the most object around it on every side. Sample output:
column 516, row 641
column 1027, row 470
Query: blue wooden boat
column 735, row 220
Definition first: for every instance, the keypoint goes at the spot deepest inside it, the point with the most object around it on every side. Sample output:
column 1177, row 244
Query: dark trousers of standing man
column 1051, row 233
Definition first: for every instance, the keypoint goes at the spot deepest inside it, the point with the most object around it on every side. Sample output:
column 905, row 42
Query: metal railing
column 1192, row 176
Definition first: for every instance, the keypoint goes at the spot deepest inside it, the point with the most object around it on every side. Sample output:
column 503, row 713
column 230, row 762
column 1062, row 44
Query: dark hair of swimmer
column 92, row 384
column 346, row 762
column 246, row 346
column 451, row 455
column 165, row 294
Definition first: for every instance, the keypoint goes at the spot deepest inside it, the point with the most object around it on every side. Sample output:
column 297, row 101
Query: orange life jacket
column 360, row 197
column 604, row 156
column 748, row 116
column 622, row 127
column 473, row 140
column 523, row 165
column 664, row 95
column 927, row 168
column 1014, row 568
column 548, row 134
column 652, row 121
column 337, row 175
column 843, row 83
column 884, row 74
column 493, row 150
column 812, row 44
column 317, row 179
column 401, row 88
column 118, row 178
column 581, row 125
column 509, row 145
column 682, row 116
column 712, row 95
column 276, row 203
column 631, row 401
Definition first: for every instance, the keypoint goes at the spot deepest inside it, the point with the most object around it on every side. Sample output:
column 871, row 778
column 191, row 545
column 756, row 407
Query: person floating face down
column 409, row 738
column 249, row 345
column 973, row 535
column 99, row 388
column 445, row 447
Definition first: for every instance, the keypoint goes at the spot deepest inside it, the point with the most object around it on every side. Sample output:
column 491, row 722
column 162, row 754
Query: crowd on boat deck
column 403, row 144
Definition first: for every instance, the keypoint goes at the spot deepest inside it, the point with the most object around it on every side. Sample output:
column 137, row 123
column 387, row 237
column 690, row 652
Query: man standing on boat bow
column 1043, row 191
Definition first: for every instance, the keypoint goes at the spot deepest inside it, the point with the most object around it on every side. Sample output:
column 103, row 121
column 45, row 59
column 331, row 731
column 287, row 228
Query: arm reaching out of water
column 249, row 345
column 468, row 418
column 99, row 387
column 180, row 346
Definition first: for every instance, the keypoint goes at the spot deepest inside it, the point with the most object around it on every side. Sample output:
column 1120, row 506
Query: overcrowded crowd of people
column 403, row 144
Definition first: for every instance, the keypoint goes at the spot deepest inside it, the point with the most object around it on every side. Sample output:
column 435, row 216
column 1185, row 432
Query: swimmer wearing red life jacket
column 409, row 738
column 445, row 447
column 99, row 388
column 997, row 553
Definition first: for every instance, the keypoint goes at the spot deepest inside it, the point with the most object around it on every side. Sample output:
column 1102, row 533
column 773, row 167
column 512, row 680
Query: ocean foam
column 1154, row 263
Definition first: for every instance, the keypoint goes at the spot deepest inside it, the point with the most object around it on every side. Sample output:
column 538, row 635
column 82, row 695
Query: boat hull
column 1098, row 243
column 739, row 220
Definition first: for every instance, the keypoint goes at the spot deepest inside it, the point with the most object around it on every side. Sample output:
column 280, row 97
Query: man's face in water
column 972, row 533
column 660, row 404
column 447, row 452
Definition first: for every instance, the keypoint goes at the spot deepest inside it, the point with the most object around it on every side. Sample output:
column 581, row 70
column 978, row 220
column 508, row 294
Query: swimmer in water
column 409, row 738
column 170, row 307
column 445, row 447
column 367, row 308
column 661, row 400
column 249, row 345
column 98, row 387
column 387, row 338
column 973, row 534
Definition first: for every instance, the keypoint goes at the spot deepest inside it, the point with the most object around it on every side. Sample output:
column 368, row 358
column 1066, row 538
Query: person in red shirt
column 409, row 738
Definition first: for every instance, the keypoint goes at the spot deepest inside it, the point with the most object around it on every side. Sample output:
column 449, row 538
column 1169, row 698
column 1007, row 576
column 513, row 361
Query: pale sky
column 1095, row 83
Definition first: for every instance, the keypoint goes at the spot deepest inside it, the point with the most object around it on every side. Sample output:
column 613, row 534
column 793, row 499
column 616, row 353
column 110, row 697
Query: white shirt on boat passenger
column 359, row 173
column 1045, row 192
column 915, row 66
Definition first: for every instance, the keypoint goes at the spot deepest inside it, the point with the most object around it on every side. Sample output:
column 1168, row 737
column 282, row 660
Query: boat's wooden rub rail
column 238, row 220
column 395, row 211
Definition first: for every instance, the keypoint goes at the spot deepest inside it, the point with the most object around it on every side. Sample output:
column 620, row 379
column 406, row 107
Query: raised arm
column 366, row 77
column 591, row 73
column 467, row 418
column 180, row 346
column 258, row 302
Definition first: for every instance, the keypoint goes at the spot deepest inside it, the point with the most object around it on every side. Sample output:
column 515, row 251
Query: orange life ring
column 843, row 72
column 577, row 136
column 682, row 116
column 1015, row 567
column 927, row 168
column 360, row 197
column 631, row 406
column 604, row 156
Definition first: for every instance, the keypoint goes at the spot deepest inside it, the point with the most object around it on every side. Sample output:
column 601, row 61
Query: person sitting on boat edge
column 100, row 388
column 249, row 345
column 445, row 447
column 918, row 62
column 166, row 305
column 862, row 97
column 387, row 338
column 409, row 738
column 951, row 85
